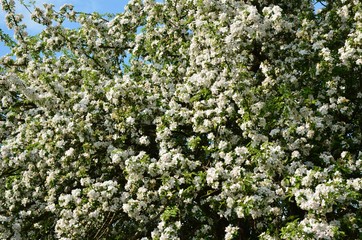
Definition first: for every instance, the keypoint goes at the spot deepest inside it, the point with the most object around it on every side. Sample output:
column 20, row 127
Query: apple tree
column 183, row 119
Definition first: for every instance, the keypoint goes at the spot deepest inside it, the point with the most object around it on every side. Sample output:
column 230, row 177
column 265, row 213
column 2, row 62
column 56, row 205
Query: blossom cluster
column 183, row 119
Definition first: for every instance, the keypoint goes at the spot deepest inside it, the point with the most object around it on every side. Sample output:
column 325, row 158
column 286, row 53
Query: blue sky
column 101, row 6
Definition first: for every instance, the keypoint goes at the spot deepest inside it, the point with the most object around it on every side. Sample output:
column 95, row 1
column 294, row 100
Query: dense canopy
column 183, row 119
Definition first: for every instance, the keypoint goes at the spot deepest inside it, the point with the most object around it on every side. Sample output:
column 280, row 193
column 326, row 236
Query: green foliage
column 183, row 120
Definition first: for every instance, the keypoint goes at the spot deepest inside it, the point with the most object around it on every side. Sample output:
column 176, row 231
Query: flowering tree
column 187, row 119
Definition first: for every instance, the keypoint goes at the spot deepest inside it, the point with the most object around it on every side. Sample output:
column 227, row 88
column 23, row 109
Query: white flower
column 295, row 154
column 144, row 140
column 130, row 120
column 211, row 175
column 92, row 194
column 69, row 152
column 240, row 151
column 230, row 231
